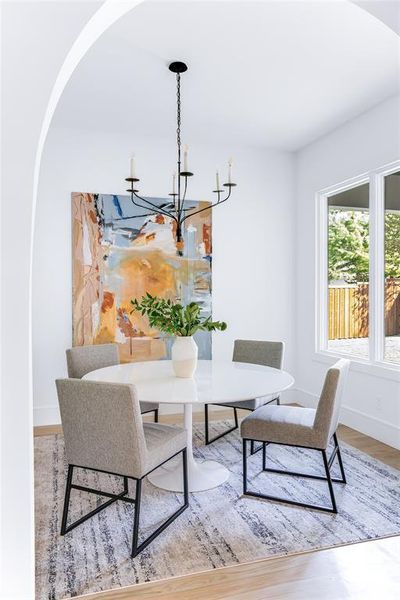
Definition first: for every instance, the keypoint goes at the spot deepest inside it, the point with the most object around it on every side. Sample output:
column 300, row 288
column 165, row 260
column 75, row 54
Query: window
column 348, row 271
column 392, row 267
column 358, row 270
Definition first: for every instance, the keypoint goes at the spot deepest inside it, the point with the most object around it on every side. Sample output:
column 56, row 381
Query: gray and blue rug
column 220, row 528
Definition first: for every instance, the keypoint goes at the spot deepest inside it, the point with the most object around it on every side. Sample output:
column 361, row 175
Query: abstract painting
column 120, row 252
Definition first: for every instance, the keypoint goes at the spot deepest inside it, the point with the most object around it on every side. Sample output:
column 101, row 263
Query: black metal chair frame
column 136, row 547
column 253, row 449
column 155, row 411
column 327, row 465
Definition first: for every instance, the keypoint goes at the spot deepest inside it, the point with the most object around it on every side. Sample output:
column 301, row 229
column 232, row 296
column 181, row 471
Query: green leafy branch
column 173, row 318
column 348, row 245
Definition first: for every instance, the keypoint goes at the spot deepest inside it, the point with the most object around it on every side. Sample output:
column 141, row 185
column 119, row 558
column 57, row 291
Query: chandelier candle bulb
column 174, row 183
column 185, row 159
column 230, row 170
column 133, row 168
column 217, row 180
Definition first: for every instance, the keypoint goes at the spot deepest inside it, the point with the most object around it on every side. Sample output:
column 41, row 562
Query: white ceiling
column 273, row 74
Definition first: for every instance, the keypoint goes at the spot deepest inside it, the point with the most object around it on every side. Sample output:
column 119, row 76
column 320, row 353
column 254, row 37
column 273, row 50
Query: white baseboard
column 374, row 427
column 50, row 415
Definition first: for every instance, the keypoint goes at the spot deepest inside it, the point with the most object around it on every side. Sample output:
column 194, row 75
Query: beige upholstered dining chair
column 104, row 431
column 265, row 353
column 303, row 428
column 83, row 359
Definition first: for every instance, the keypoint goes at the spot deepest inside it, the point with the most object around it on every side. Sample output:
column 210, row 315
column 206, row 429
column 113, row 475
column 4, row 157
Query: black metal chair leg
column 206, row 424
column 207, row 434
column 136, row 547
column 113, row 498
column 156, row 416
column 66, row 499
column 253, row 449
column 244, row 467
column 185, row 478
column 339, row 456
column 135, row 536
column 330, row 484
column 328, row 478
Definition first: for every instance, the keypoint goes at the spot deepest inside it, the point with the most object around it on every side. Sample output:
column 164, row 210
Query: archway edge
column 106, row 15
column 103, row 19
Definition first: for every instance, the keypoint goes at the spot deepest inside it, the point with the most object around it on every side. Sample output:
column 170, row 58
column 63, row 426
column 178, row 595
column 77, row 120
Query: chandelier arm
column 184, row 210
column 184, row 194
column 148, row 214
column 207, row 207
column 144, row 208
column 151, row 211
column 158, row 209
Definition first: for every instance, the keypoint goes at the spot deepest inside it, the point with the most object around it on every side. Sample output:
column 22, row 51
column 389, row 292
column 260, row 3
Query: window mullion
column 377, row 277
column 321, row 299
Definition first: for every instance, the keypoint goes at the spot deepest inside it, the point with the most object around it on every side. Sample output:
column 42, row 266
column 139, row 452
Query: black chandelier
column 176, row 209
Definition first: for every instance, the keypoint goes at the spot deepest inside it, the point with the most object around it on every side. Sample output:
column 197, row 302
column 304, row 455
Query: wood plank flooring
column 364, row 571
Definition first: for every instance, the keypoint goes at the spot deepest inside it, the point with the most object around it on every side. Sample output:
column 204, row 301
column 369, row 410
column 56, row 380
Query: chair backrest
column 265, row 353
column 102, row 426
column 328, row 410
column 83, row 359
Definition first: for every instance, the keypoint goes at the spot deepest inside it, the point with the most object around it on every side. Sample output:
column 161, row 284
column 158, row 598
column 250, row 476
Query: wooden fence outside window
column 348, row 310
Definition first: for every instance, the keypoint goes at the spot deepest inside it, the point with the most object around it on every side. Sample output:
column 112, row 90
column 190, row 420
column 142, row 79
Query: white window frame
column 375, row 178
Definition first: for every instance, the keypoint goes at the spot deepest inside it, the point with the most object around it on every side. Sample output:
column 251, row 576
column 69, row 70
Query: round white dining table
column 214, row 381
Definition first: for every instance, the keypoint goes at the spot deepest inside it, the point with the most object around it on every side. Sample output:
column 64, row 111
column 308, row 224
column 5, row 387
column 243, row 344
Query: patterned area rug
column 220, row 528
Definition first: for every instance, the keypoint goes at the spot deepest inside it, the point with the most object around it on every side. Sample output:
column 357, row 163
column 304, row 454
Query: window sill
column 375, row 369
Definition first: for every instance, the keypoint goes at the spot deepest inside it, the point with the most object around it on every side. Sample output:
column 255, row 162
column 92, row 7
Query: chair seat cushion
column 250, row 404
column 162, row 441
column 282, row 425
column 148, row 406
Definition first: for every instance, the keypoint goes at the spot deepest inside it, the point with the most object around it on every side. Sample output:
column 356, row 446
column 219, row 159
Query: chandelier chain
column 178, row 111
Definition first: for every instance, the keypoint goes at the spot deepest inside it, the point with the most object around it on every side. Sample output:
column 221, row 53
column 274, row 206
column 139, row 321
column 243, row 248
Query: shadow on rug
column 220, row 527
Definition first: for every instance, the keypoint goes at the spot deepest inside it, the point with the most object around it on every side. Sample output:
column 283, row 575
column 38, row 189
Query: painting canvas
column 120, row 252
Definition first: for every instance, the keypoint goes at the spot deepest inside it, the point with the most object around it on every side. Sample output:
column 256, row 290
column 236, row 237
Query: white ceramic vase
column 184, row 356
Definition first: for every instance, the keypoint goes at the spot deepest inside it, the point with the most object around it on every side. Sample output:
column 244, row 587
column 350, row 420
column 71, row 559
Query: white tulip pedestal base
column 202, row 475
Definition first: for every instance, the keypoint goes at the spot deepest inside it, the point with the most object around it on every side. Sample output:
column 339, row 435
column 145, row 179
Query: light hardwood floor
column 364, row 571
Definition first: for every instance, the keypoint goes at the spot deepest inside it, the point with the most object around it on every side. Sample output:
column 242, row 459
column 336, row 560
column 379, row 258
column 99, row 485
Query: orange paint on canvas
column 116, row 260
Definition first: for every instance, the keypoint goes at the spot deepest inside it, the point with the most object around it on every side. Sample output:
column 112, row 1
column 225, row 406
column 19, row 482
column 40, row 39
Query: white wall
column 253, row 277
column 372, row 402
